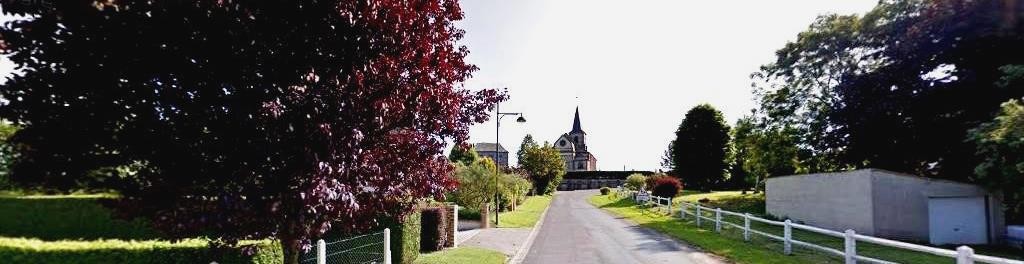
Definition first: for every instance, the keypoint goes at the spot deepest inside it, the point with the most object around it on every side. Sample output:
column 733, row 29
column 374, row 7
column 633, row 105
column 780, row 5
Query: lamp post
column 497, row 132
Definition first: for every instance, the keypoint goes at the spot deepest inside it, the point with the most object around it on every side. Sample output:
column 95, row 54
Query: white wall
column 837, row 201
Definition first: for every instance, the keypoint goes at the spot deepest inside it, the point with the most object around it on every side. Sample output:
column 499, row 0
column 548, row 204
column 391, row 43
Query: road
column 574, row 231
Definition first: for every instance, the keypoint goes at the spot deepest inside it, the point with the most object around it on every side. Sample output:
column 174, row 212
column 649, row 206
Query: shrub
column 666, row 186
column 477, row 186
column 605, row 190
column 636, row 182
column 408, row 232
column 25, row 250
column 433, row 229
column 57, row 217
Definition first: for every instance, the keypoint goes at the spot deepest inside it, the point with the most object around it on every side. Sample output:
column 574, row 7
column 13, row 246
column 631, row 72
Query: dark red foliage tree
column 666, row 186
column 243, row 119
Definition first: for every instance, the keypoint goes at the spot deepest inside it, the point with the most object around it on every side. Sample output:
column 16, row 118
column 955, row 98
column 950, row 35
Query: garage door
column 957, row 220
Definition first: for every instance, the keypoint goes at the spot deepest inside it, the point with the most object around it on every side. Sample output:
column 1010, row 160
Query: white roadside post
column 455, row 229
column 321, row 252
column 964, row 255
column 682, row 210
column 746, row 227
column 718, row 220
column 670, row 206
column 387, row 246
column 851, row 246
column 788, row 237
column 698, row 215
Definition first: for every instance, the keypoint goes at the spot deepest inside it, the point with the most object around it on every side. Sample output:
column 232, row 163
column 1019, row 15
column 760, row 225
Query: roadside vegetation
column 527, row 214
column 462, row 255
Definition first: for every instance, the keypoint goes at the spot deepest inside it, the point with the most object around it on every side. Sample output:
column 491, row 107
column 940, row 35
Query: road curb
column 521, row 252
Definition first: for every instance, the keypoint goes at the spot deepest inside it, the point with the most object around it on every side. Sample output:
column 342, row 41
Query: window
column 561, row 143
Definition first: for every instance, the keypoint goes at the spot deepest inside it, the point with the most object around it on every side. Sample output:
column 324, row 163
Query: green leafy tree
column 544, row 166
column 896, row 88
column 528, row 142
column 741, row 135
column 464, row 154
column 770, row 152
column 701, row 148
column 1001, row 149
column 7, row 152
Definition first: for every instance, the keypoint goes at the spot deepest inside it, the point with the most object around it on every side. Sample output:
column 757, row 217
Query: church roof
column 489, row 147
column 576, row 123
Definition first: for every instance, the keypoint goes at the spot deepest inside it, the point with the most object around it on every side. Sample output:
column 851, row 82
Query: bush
column 57, row 217
column 476, row 186
column 433, row 232
column 605, row 190
column 408, row 232
column 666, row 186
column 25, row 250
column 636, row 182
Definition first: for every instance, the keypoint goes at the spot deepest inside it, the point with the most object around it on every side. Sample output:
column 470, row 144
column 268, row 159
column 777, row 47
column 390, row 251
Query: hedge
column 24, row 250
column 408, row 233
column 59, row 217
column 433, row 229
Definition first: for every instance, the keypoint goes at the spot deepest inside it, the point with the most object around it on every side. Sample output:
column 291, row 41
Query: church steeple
column 576, row 123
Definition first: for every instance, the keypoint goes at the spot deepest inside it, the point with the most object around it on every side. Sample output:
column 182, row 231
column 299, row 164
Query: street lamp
column 497, row 132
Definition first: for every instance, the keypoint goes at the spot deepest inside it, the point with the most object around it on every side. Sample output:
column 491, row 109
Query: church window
column 561, row 143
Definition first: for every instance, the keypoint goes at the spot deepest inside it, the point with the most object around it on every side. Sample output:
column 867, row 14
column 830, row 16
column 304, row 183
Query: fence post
column 387, row 246
column 321, row 252
column 746, row 227
column 788, row 237
column 682, row 210
column 670, row 206
column 964, row 255
column 718, row 220
column 455, row 227
column 851, row 246
column 698, row 215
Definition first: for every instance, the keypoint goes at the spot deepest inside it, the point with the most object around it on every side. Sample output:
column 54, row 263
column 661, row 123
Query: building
column 496, row 152
column 572, row 147
column 891, row 205
column 582, row 180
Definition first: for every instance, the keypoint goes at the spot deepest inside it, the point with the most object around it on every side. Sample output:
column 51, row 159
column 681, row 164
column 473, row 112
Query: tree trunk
column 292, row 249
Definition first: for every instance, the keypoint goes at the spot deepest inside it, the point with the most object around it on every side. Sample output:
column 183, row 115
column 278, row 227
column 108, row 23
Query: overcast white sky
column 633, row 67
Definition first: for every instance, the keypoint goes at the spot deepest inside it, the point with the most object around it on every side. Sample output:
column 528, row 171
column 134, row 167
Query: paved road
column 574, row 231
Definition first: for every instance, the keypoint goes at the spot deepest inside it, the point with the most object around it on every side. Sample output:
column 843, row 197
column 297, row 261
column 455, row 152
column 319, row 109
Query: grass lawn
column 527, row 214
column 468, row 255
column 759, row 249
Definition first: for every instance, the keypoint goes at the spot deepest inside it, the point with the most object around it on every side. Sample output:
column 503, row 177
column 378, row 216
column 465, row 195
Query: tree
column 667, row 160
column 740, row 138
column 1001, row 148
column 7, row 153
column 701, row 148
column 246, row 120
column 926, row 71
column 544, row 166
column 464, row 154
column 770, row 152
column 527, row 143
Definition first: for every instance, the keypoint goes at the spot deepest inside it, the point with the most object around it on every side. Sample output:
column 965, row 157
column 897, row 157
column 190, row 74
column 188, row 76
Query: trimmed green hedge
column 58, row 217
column 408, row 233
column 23, row 250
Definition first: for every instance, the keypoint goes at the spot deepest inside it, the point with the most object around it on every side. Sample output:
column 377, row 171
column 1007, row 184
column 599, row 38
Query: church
column 572, row 147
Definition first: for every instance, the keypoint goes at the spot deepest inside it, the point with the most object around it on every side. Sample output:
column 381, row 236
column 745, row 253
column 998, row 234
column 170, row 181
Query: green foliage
column 528, row 143
column 897, row 88
column 30, row 250
column 56, row 217
column 765, row 152
column 7, row 153
column 1001, row 145
column 463, row 255
column 636, row 182
column 463, row 154
column 408, row 234
column 701, row 148
column 605, row 190
column 477, row 185
column 544, row 166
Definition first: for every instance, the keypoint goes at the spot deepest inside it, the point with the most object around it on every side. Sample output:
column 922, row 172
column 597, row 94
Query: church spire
column 576, row 122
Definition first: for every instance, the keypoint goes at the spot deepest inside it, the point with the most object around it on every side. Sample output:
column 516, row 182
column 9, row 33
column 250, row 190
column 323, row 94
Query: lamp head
column 521, row 119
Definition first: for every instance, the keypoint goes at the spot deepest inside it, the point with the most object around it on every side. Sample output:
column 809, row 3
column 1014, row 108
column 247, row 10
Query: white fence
column 963, row 254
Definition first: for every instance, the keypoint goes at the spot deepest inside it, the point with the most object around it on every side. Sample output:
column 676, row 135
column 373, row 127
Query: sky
column 632, row 67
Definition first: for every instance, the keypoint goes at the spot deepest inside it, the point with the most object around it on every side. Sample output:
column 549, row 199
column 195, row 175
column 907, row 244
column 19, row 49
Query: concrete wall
column 901, row 203
column 836, row 201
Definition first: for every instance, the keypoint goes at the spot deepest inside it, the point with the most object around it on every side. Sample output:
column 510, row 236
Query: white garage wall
column 836, row 201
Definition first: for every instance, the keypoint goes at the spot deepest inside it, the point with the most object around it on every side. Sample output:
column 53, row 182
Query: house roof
column 489, row 147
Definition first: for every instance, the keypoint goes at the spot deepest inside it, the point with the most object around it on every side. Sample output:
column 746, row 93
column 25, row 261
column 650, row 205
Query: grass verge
column 527, row 214
column 468, row 255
